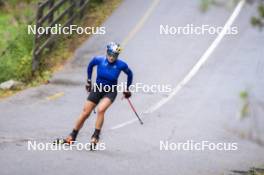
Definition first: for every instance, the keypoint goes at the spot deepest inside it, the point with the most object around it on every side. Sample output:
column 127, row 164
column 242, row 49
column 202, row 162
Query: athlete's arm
column 129, row 73
column 95, row 61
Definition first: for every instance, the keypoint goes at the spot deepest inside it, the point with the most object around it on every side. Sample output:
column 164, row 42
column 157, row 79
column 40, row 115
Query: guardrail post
column 35, row 58
column 51, row 4
column 43, row 41
column 71, row 11
column 50, row 20
column 80, row 5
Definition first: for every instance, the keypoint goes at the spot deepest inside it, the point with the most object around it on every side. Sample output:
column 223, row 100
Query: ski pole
column 140, row 121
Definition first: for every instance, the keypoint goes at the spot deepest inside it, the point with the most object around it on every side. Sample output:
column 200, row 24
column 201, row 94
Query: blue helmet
column 113, row 49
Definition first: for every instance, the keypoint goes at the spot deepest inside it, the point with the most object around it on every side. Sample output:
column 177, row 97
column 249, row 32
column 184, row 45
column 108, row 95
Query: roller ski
column 68, row 140
column 94, row 140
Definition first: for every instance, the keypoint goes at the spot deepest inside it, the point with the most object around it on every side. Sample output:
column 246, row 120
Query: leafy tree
column 256, row 21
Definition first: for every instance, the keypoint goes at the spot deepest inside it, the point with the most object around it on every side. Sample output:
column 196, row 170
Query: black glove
column 127, row 94
column 88, row 86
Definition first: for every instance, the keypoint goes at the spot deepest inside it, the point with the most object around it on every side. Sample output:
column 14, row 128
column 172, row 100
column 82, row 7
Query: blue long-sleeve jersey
column 108, row 73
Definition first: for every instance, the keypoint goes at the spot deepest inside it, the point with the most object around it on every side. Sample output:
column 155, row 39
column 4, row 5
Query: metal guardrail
column 49, row 13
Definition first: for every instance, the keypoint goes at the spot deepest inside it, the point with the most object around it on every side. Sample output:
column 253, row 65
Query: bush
column 16, row 62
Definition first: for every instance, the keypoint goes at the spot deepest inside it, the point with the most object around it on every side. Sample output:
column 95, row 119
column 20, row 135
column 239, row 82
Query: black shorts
column 96, row 96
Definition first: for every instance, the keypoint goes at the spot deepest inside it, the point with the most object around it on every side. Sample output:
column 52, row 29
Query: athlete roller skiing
column 109, row 68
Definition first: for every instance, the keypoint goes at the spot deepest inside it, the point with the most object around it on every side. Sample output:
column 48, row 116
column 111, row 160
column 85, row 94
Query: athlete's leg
column 102, row 107
column 87, row 109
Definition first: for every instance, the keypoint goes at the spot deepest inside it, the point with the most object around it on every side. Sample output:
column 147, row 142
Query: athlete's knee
column 101, row 110
column 86, row 112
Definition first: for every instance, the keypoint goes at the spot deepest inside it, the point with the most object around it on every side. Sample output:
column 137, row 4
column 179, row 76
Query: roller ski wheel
column 69, row 141
column 93, row 143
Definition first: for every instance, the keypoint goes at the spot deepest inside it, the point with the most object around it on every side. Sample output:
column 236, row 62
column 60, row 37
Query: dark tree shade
column 1, row 3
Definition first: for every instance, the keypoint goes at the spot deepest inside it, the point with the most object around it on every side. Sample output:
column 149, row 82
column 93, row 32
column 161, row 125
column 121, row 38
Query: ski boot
column 68, row 140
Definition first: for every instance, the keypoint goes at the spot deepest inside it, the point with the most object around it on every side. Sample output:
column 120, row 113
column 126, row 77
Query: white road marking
column 124, row 124
column 196, row 67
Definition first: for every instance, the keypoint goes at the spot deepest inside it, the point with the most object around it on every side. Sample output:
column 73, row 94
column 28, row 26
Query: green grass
column 251, row 171
column 16, row 61
column 15, row 44
column 7, row 31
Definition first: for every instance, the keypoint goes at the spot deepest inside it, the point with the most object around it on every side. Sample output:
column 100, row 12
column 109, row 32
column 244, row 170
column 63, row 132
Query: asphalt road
column 207, row 108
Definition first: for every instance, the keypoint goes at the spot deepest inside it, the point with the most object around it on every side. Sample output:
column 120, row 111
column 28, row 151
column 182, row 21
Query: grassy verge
column 14, row 15
column 15, row 45
column 17, row 61
column 251, row 171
